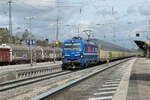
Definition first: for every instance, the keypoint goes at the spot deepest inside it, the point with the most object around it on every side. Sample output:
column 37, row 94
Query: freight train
column 21, row 53
column 80, row 53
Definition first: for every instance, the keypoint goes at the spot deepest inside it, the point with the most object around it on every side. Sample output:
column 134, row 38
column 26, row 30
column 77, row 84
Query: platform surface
column 9, row 68
column 135, row 84
column 139, row 84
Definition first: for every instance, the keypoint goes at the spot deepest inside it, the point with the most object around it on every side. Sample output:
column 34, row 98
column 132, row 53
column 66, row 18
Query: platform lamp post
column 57, row 30
column 30, row 40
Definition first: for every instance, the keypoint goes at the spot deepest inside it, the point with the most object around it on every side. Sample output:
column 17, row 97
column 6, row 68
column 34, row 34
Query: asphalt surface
column 139, row 84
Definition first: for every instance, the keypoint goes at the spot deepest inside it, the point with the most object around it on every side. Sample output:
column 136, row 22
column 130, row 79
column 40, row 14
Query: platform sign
column 28, row 42
column 137, row 35
column 33, row 42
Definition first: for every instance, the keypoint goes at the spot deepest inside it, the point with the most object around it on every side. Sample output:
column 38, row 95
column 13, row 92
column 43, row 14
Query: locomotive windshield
column 72, row 46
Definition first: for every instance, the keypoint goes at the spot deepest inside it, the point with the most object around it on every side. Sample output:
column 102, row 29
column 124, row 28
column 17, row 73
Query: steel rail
column 71, row 83
column 27, row 81
column 29, row 78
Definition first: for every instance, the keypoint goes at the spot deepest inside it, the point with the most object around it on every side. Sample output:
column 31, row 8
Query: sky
column 116, row 21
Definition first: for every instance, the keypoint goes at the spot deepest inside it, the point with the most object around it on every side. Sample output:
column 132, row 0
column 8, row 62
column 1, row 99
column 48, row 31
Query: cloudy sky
column 116, row 21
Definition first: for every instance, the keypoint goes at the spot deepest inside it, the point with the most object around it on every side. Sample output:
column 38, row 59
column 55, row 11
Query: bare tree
column 4, row 35
column 25, row 35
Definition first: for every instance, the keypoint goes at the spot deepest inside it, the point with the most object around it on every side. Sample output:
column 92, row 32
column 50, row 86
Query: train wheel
column 86, row 65
column 63, row 68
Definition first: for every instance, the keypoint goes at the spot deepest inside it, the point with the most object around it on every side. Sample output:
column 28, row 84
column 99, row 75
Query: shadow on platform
column 144, row 77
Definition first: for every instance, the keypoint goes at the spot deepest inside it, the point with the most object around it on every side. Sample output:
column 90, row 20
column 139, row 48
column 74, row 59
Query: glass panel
column 72, row 46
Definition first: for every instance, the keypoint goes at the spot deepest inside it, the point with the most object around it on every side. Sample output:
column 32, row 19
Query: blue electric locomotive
column 79, row 53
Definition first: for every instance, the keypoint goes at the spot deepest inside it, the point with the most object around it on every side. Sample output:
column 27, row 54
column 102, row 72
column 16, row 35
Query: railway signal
column 137, row 35
column 148, row 42
column 57, row 42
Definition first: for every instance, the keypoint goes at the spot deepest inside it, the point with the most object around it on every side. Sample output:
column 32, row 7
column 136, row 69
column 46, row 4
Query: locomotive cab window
column 72, row 46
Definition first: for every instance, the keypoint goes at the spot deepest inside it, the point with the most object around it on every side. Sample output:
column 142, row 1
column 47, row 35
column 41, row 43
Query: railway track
column 5, row 86
column 22, row 82
column 48, row 94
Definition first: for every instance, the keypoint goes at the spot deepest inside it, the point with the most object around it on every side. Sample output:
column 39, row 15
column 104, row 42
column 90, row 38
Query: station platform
column 11, row 72
column 27, row 66
column 135, row 84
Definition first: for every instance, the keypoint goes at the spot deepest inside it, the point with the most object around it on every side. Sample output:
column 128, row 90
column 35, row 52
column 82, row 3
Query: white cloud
column 84, row 25
column 131, row 9
column 38, row 3
column 83, row 22
column 46, row 13
column 4, row 21
column 145, row 9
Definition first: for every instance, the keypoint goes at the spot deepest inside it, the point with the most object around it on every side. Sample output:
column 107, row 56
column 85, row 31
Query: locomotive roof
column 105, row 45
column 79, row 40
column 74, row 40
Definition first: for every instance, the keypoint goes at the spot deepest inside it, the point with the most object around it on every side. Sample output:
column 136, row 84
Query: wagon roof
column 109, row 46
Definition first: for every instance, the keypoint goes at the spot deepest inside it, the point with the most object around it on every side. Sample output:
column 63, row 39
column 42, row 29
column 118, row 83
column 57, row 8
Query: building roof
column 141, row 44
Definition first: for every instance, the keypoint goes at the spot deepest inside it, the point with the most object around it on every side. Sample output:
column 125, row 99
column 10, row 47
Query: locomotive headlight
column 67, row 55
column 63, row 56
column 77, row 54
column 82, row 56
